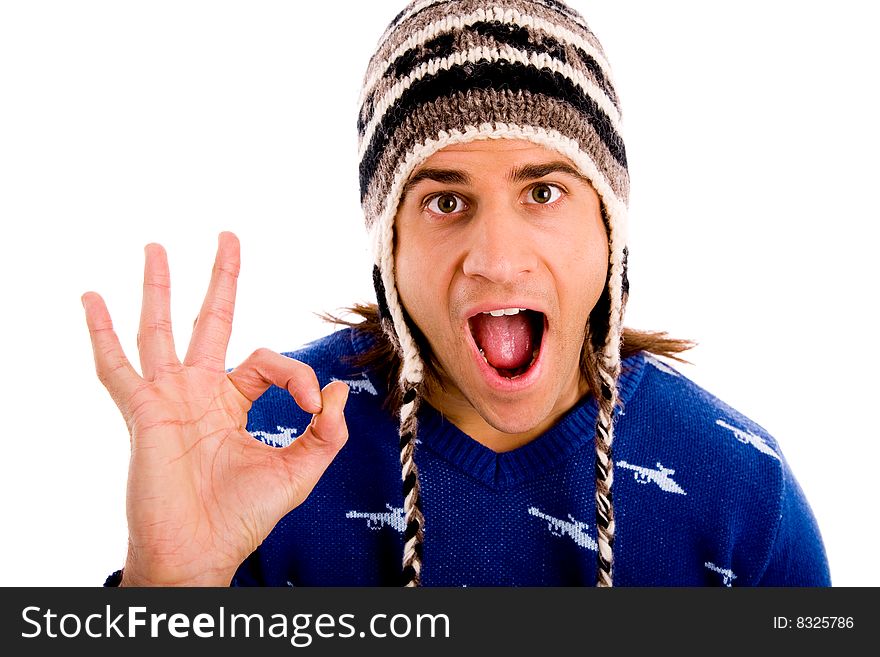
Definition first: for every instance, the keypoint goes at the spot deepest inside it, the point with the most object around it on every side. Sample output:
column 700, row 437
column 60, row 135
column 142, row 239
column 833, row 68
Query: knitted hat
column 454, row 71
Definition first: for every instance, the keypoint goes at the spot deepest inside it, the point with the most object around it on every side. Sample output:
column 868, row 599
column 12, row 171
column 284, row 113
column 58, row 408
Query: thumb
column 309, row 455
column 328, row 428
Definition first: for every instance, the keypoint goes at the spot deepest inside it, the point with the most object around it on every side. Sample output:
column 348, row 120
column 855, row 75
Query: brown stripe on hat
column 499, row 75
column 510, row 40
column 451, row 26
column 452, row 11
column 475, row 107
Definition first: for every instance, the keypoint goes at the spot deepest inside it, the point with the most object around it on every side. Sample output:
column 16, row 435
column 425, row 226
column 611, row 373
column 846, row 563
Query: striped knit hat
column 454, row 71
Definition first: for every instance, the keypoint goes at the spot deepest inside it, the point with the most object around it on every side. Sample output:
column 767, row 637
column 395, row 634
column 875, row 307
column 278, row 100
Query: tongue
column 506, row 341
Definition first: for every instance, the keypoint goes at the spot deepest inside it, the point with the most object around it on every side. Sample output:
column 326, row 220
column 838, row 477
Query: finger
column 309, row 455
column 111, row 365
column 264, row 368
column 155, row 338
column 207, row 348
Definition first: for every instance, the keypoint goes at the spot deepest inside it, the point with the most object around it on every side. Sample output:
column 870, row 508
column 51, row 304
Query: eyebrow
column 534, row 171
column 445, row 176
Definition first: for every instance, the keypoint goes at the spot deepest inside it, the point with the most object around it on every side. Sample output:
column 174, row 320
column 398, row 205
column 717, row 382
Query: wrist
column 136, row 574
column 139, row 579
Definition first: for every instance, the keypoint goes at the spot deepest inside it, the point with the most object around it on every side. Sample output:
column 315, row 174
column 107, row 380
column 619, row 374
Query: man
column 492, row 377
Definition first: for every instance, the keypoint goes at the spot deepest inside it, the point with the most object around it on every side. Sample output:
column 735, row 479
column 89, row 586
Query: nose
column 499, row 246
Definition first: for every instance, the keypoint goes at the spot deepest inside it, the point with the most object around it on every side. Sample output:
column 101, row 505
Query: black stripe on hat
column 499, row 76
column 515, row 36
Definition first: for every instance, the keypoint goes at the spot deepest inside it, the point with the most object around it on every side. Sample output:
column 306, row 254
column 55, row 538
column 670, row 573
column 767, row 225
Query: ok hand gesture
column 202, row 492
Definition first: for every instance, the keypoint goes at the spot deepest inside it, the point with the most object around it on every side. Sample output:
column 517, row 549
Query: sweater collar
column 575, row 431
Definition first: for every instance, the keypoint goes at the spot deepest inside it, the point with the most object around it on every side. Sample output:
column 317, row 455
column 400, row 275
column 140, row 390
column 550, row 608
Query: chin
column 516, row 416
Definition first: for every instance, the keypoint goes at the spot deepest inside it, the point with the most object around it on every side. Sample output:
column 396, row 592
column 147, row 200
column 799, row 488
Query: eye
column 445, row 204
column 544, row 193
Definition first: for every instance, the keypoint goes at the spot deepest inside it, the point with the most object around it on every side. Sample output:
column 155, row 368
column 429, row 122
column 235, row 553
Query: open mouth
column 508, row 339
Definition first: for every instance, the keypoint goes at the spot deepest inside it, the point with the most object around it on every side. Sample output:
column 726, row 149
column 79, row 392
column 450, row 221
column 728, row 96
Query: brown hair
column 382, row 356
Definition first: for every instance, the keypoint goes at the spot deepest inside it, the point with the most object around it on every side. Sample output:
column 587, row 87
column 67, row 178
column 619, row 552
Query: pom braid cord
column 410, row 376
column 414, row 534
column 605, row 479
column 609, row 373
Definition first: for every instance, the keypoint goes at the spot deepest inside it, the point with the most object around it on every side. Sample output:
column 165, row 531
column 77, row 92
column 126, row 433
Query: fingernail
column 316, row 401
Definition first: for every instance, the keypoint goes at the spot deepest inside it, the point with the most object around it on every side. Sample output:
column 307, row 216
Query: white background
column 752, row 134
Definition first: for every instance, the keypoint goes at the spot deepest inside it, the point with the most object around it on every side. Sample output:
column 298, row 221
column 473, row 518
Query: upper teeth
column 504, row 311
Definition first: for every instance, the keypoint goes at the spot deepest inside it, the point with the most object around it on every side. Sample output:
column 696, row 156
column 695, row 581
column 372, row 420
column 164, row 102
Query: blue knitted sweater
column 702, row 495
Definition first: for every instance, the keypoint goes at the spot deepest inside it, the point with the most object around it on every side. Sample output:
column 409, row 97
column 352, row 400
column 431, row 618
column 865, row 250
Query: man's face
column 492, row 226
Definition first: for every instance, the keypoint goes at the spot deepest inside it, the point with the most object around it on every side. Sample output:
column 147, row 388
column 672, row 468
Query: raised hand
column 202, row 492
